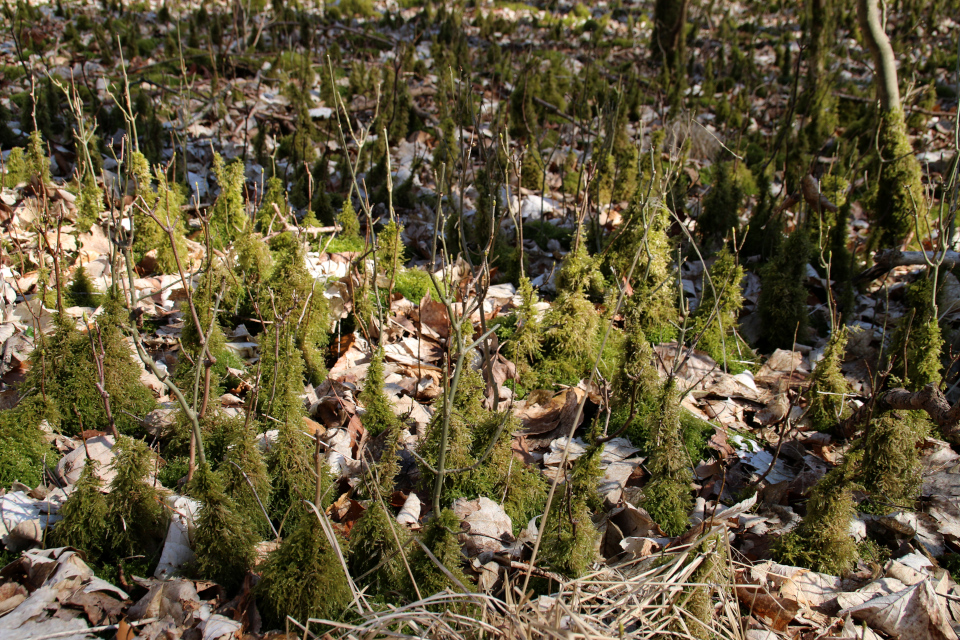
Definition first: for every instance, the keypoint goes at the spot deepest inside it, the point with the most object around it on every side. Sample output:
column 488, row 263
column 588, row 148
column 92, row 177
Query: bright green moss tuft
column 440, row 536
column 228, row 217
column 900, row 195
column 826, row 403
column 81, row 292
column 823, row 542
column 917, row 342
column 84, row 516
column 135, row 521
column 715, row 319
column 303, row 578
column 667, row 496
column 379, row 416
column 891, row 468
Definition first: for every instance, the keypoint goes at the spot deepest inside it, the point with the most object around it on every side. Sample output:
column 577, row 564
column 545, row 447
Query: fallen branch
column 887, row 259
column 930, row 399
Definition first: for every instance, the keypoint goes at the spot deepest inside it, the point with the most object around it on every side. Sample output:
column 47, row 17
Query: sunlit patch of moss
column 413, row 284
column 378, row 416
column 62, row 369
column 38, row 163
column 223, row 541
column 23, row 447
column 722, row 203
column 164, row 202
column 349, row 224
column 900, row 194
column 81, row 292
column 274, row 198
column 89, row 203
column 917, row 342
column 243, row 466
column 827, row 385
column 891, row 468
column 715, row 319
column 296, row 293
column 525, row 346
column 228, row 216
column 303, row 578
column 667, row 496
column 823, row 542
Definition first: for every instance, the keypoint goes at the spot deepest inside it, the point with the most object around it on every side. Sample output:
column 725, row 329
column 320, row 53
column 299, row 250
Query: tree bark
column 887, row 259
column 669, row 20
column 929, row 399
column 885, row 65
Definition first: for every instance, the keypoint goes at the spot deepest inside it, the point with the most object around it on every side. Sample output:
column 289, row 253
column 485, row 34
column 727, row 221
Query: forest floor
column 233, row 234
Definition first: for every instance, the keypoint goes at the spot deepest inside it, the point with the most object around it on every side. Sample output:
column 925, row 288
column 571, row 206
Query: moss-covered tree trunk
column 669, row 20
column 818, row 98
column 899, row 190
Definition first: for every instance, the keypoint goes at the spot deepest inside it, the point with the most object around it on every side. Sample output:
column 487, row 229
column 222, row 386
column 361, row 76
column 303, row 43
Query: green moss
column 570, row 539
column 525, row 346
column 62, row 373
column 223, row 540
column 81, row 292
column 84, row 516
column 826, row 406
column 715, row 319
column 373, row 539
column 823, row 542
column 721, row 205
column 891, row 467
column 135, row 520
column 23, row 446
column 296, row 293
column 900, row 194
column 243, row 456
column 440, row 536
column 16, row 169
column 783, row 298
column 164, row 202
column 228, row 216
column 38, row 163
column 378, row 416
column 917, row 342
column 303, row 578
column 667, row 496
column 349, row 224
column 276, row 194
column 532, row 169
column 89, row 203
column 413, row 284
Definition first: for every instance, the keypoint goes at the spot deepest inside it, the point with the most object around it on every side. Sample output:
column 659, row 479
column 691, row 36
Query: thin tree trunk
column 884, row 62
column 669, row 20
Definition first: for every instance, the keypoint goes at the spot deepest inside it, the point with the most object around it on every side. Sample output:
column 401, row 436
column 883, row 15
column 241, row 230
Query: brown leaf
column 773, row 611
column 434, row 316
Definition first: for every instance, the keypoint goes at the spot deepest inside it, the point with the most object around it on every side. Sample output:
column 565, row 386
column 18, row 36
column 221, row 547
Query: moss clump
column 823, row 542
column 379, row 416
column 38, row 162
column 716, row 315
column 653, row 305
column 373, row 539
column 525, row 345
column 891, row 468
column 783, row 299
column 89, row 203
column 572, row 323
column 81, row 292
column 440, row 536
column 900, row 193
column 136, row 521
column 667, row 496
column 295, row 293
column 228, row 217
column 303, row 578
column 267, row 216
column 164, row 202
column 532, row 169
column 23, row 447
column 413, row 284
column 917, row 342
column 291, row 467
column 349, row 223
column 224, row 541
column 721, row 205
column 245, row 457
column 826, row 403
column 84, row 516
column 61, row 372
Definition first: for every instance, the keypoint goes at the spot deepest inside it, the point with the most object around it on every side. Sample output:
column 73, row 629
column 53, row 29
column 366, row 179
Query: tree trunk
column 885, row 65
column 669, row 20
